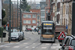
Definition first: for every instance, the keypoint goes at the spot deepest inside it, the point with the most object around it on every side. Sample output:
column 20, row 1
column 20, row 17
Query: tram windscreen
column 47, row 30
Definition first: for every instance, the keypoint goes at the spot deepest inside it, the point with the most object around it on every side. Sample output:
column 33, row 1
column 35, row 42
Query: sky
column 31, row 0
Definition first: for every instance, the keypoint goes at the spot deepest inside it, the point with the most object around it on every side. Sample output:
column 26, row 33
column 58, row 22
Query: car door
column 64, row 43
column 67, row 44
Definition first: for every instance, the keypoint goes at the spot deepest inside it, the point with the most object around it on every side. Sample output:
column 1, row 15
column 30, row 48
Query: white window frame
column 33, row 21
column 34, row 16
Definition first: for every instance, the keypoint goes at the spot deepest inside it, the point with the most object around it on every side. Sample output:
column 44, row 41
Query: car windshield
column 14, row 34
column 73, row 43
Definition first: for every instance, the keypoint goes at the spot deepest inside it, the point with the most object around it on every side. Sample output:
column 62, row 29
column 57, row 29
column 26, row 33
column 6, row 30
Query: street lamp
column 17, row 14
column 9, row 21
column 20, row 18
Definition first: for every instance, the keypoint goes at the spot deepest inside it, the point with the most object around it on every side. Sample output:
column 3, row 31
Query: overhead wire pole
column 73, row 17
column 20, row 18
column 17, row 14
column 12, row 15
column 9, row 21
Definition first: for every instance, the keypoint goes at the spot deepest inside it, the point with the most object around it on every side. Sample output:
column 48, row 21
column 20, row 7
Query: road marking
column 33, row 47
column 55, row 44
column 53, row 47
column 7, row 46
column 33, row 43
column 47, row 44
column 16, row 47
column 44, row 47
column 27, row 47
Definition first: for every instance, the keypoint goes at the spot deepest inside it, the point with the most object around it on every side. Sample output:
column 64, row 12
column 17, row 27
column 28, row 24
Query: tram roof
column 47, row 21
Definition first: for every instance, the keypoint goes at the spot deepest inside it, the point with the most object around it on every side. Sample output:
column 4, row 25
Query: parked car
column 28, row 29
column 15, row 36
column 22, row 34
column 68, row 43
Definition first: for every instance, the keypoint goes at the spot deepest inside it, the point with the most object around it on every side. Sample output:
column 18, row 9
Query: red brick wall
column 30, row 19
column 35, row 10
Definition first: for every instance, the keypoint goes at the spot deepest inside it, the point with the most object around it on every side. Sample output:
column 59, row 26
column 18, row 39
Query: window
column 34, row 21
column 34, row 16
column 24, row 21
column 43, row 19
column 73, row 43
column 24, row 16
column 27, row 22
column 38, row 17
column 29, row 16
column 42, row 13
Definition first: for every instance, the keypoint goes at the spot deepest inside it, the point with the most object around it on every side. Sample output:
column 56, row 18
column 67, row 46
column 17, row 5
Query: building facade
column 67, row 15
column 38, row 15
column 29, row 20
column 42, row 10
column 0, row 13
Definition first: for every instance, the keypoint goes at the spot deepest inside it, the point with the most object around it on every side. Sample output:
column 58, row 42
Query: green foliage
column 28, row 8
column 4, row 22
column 25, row 6
column 3, row 15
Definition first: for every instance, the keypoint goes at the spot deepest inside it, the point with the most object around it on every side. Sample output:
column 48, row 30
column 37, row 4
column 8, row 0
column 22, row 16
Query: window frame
column 34, row 20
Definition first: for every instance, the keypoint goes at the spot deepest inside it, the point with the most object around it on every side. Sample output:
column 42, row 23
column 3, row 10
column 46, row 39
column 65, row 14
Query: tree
column 24, row 5
column 3, row 15
column 28, row 8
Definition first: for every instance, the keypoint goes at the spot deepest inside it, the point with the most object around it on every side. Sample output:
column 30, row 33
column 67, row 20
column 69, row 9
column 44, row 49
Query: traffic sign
column 61, row 36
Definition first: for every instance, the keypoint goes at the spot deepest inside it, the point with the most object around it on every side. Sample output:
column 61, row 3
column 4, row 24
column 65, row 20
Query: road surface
column 31, row 42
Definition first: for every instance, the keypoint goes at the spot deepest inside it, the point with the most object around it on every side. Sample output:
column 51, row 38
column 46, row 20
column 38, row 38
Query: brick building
column 47, row 9
column 29, row 20
column 38, row 15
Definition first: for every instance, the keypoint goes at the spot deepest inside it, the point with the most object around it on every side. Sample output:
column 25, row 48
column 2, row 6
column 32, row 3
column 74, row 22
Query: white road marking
column 33, row 47
column 16, row 47
column 7, row 46
column 53, row 47
column 55, row 44
column 27, row 47
column 44, row 47
column 47, row 44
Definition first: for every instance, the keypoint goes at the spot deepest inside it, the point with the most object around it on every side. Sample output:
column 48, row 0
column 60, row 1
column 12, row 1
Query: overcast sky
column 30, row 0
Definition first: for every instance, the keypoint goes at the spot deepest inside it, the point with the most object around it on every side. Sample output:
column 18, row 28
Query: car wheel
column 18, row 39
column 41, row 41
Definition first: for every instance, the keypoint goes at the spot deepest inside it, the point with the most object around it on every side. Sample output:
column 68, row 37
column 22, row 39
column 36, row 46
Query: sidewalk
column 4, row 39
